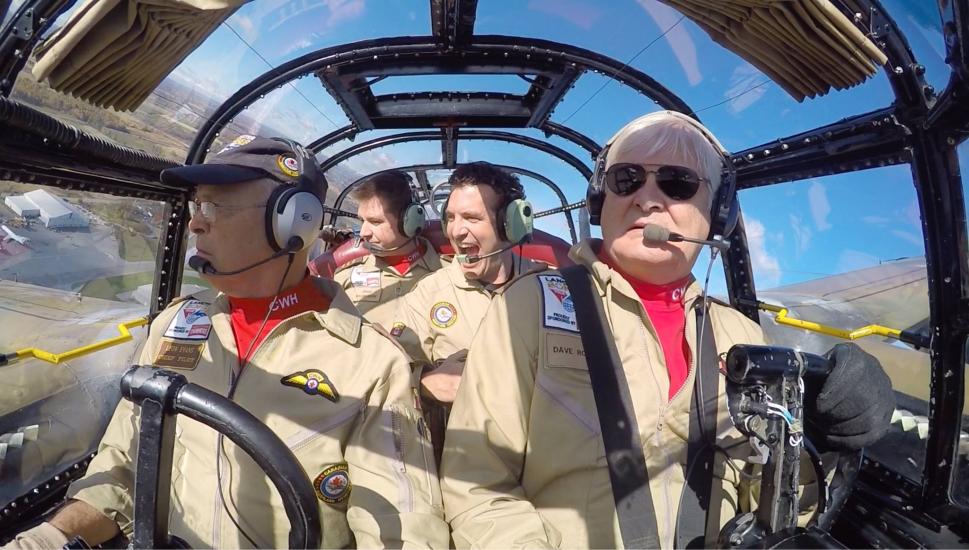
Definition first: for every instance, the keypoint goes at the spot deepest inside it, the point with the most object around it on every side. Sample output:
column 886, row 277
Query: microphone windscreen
column 655, row 233
column 198, row 263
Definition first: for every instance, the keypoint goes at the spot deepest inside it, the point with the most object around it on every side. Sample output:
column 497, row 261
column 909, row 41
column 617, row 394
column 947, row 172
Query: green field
column 108, row 288
column 134, row 247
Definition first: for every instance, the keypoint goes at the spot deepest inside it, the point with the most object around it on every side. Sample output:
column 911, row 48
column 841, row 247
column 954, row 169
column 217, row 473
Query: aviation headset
column 294, row 211
column 514, row 218
column 725, row 210
column 411, row 218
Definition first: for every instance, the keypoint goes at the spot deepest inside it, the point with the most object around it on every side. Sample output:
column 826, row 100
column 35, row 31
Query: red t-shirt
column 664, row 307
column 403, row 263
column 246, row 314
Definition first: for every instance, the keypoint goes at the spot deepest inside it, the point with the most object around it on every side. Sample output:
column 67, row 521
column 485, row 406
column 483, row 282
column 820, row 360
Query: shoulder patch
column 558, row 309
column 444, row 314
column 191, row 321
column 392, row 336
column 360, row 277
column 332, row 485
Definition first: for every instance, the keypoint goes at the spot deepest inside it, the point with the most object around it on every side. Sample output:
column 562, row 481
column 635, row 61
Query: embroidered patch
column 333, row 484
column 564, row 350
column 558, row 309
column 288, row 165
column 178, row 355
column 244, row 139
column 313, row 382
column 191, row 322
column 360, row 278
column 443, row 314
column 397, row 329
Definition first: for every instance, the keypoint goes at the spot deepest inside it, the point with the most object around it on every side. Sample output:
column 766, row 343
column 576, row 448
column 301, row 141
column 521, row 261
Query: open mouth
column 469, row 249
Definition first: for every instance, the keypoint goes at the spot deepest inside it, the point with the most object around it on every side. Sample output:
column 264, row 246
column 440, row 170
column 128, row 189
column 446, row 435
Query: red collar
column 404, row 262
column 666, row 296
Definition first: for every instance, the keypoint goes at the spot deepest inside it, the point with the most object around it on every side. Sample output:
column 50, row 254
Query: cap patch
column 443, row 314
column 312, row 382
column 244, row 139
column 288, row 165
column 333, row 484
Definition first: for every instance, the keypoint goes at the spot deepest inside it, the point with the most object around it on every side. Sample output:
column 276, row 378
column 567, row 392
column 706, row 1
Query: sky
column 797, row 231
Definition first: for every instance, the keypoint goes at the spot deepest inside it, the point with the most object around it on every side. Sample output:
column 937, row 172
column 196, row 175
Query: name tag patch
column 558, row 309
column 191, row 322
column 564, row 350
column 359, row 278
column 178, row 355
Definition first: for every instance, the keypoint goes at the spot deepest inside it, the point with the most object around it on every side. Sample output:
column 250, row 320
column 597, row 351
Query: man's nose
column 197, row 224
column 649, row 196
column 366, row 232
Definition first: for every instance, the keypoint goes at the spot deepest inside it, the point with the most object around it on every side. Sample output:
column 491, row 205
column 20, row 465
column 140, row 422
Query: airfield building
column 22, row 206
column 52, row 210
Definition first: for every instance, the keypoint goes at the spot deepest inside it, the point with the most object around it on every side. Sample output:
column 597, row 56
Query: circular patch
column 333, row 484
column 288, row 165
column 443, row 314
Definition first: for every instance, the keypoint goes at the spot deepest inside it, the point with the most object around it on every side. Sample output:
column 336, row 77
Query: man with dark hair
column 390, row 228
column 485, row 216
column 295, row 353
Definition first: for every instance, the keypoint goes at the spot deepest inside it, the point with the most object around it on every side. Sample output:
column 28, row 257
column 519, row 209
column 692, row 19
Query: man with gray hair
column 525, row 459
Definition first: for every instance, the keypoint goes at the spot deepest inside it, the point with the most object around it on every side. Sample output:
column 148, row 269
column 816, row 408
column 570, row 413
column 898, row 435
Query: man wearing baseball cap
column 295, row 353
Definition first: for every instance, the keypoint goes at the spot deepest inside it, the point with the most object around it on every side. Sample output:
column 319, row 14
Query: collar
column 457, row 278
column 431, row 260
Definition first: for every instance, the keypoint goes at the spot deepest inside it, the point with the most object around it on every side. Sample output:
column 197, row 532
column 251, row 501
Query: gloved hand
column 854, row 407
column 43, row 536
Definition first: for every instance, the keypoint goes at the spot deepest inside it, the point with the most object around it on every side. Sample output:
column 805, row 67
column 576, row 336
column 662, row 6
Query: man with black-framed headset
column 295, row 353
column 484, row 217
column 525, row 460
column 391, row 223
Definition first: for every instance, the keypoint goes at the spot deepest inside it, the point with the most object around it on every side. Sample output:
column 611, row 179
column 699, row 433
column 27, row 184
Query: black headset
column 725, row 211
column 294, row 211
column 514, row 218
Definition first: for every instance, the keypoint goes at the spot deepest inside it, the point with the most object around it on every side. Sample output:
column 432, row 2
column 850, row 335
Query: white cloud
column 245, row 26
column 767, row 270
column 853, row 260
column 802, row 234
column 742, row 81
column 908, row 237
column 678, row 38
column 875, row 220
column 820, row 208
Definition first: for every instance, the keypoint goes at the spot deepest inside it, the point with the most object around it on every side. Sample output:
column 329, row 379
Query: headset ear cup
column 594, row 197
column 518, row 221
column 412, row 220
column 297, row 215
column 278, row 196
column 444, row 215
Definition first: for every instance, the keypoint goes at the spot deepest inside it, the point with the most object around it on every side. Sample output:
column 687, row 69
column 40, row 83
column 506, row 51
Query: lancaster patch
column 558, row 309
column 312, row 382
column 443, row 314
column 191, row 322
column 333, row 484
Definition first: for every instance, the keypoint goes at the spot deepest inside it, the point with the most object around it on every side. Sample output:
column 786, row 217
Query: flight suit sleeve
column 416, row 337
column 487, row 434
column 108, row 485
column 395, row 500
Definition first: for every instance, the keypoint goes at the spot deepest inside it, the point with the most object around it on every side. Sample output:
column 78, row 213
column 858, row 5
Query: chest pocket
column 365, row 285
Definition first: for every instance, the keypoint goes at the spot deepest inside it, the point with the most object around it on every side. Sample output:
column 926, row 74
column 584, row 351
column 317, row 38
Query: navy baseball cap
column 246, row 158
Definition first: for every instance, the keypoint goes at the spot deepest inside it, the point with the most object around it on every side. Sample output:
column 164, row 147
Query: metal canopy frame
column 922, row 128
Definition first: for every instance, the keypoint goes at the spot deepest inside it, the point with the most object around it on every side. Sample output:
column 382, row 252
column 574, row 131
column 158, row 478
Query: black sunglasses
column 676, row 182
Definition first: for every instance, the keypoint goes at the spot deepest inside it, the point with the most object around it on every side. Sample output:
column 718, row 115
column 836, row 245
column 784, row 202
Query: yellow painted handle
column 56, row 358
column 782, row 319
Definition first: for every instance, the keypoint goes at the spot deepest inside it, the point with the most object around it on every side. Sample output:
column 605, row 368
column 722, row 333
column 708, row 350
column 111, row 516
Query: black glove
column 855, row 405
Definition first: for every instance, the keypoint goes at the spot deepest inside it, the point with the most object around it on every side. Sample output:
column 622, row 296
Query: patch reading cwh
column 558, row 309
column 333, row 484
column 443, row 314
column 178, row 355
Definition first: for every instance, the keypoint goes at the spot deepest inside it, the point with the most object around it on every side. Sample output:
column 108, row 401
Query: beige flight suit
column 524, row 462
column 365, row 431
column 444, row 309
column 377, row 289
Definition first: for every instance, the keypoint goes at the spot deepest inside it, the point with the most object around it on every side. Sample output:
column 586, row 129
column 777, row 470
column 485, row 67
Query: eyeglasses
column 676, row 182
column 207, row 209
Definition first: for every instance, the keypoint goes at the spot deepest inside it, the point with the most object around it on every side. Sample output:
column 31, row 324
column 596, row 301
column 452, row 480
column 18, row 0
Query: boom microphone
column 205, row 267
column 466, row 259
column 653, row 233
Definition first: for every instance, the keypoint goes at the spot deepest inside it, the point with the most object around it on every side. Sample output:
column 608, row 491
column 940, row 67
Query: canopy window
column 805, row 46
column 113, row 53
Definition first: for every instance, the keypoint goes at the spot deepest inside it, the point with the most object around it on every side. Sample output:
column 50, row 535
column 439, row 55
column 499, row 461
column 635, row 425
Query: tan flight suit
column 377, row 289
column 441, row 315
column 524, row 462
column 332, row 388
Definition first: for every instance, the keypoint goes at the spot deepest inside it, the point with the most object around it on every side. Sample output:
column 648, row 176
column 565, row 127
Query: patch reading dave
column 178, row 355
column 564, row 350
column 333, row 484
column 313, row 382
column 558, row 309
column 191, row 322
